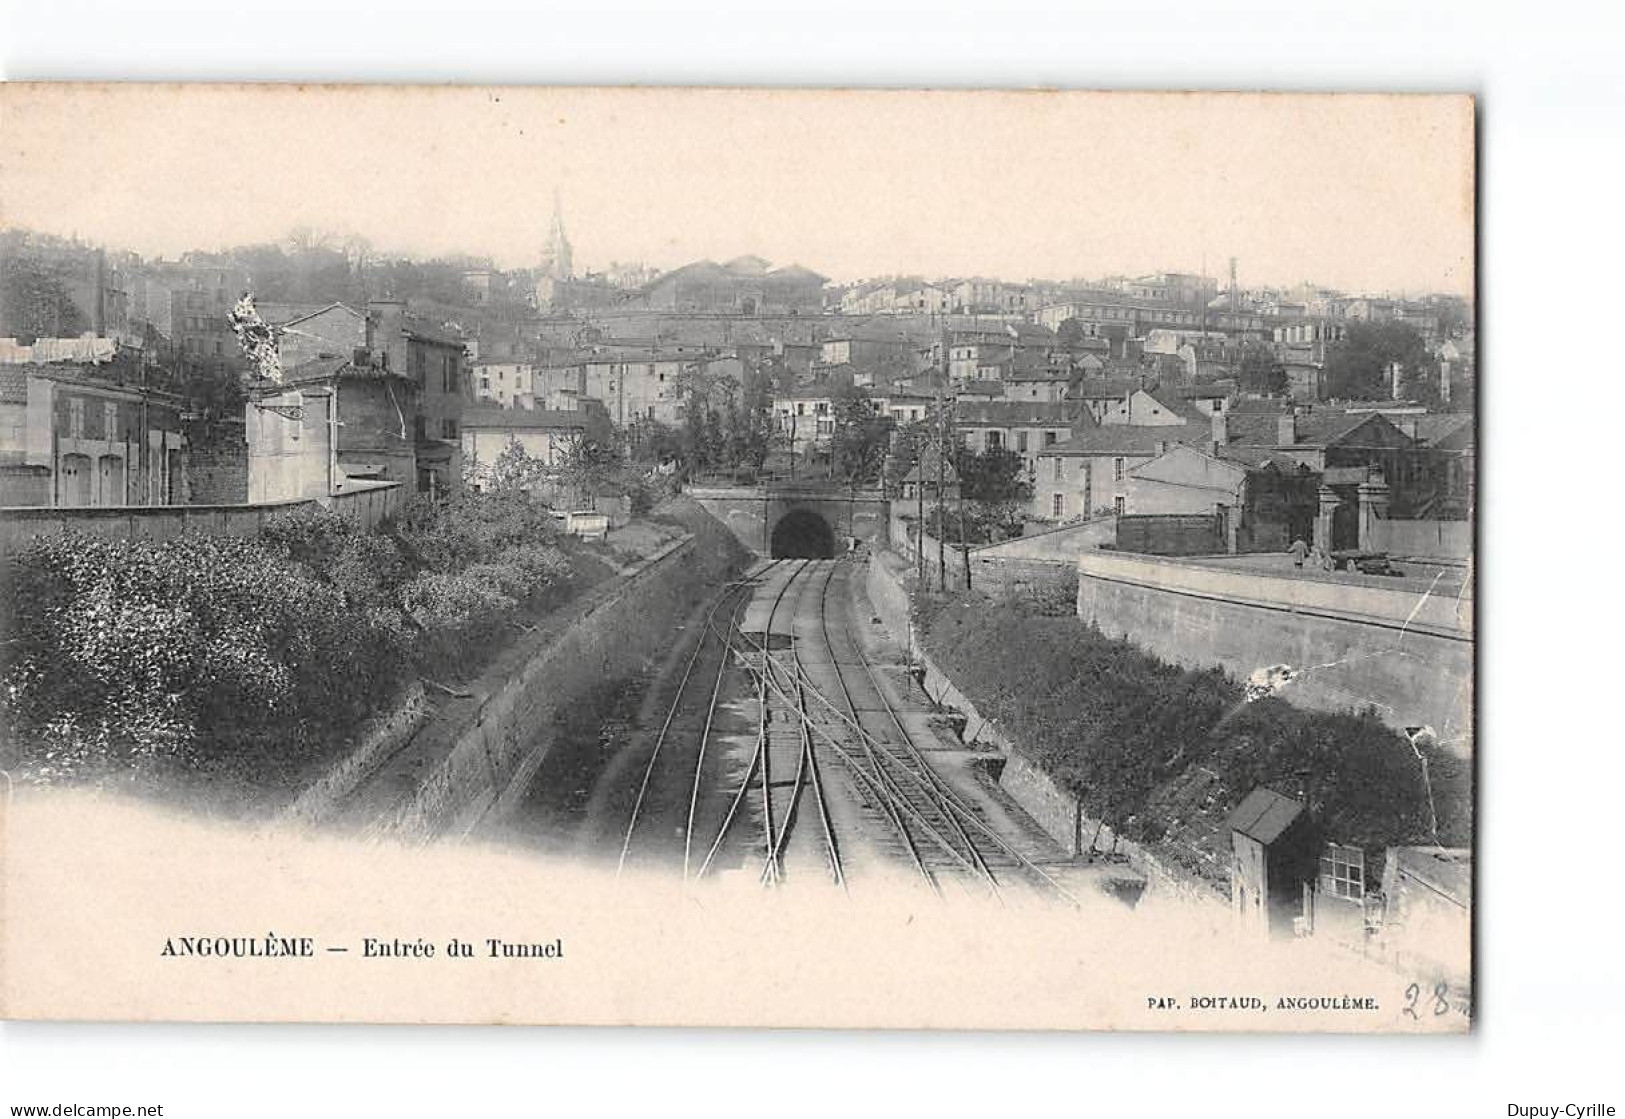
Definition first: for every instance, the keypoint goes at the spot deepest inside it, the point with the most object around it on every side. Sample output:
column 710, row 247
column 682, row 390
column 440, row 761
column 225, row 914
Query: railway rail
column 819, row 701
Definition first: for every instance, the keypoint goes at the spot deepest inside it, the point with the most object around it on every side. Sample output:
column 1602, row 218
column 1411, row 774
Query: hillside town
column 1243, row 492
column 125, row 384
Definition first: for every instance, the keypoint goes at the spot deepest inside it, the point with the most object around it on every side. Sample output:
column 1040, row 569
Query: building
column 745, row 286
column 908, row 296
column 1048, row 385
column 184, row 307
column 390, row 338
column 333, row 422
column 995, row 352
column 1024, row 427
column 1088, row 474
column 507, row 384
column 1274, row 860
column 543, row 435
column 69, row 436
column 1261, row 500
column 1427, row 911
column 637, row 384
column 872, row 349
column 805, row 418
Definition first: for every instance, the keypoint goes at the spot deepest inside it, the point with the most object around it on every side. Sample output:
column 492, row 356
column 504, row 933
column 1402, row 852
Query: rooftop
column 1264, row 814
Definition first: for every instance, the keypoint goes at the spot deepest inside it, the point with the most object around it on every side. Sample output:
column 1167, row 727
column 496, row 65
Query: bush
column 1114, row 724
column 205, row 650
column 130, row 649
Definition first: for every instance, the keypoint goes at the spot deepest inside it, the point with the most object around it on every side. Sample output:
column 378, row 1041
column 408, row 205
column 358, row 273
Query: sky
column 1360, row 192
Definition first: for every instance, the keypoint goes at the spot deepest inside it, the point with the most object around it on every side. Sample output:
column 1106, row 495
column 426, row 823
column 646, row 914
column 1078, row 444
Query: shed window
column 1342, row 872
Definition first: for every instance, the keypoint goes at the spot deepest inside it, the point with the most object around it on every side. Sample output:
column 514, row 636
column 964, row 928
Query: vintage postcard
column 738, row 557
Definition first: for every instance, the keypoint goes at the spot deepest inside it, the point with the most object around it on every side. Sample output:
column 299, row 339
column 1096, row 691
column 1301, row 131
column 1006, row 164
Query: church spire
column 556, row 256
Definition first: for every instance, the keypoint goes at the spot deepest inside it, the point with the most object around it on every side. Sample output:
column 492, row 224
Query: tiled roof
column 13, row 384
column 981, row 388
column 1010, row 412
column 1128, row 439
column 1100, row 388
column 1437, row 427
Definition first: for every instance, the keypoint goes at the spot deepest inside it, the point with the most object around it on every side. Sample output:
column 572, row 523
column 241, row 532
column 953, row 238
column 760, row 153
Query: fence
column 369, row 503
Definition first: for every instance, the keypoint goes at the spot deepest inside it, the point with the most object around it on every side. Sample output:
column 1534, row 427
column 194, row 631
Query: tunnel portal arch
column 802, row 534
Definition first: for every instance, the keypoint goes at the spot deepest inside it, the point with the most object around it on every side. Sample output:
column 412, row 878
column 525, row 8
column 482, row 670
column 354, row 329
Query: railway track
column 936, row 830
column 826, row 727
column 784, row 774
column 711, row 645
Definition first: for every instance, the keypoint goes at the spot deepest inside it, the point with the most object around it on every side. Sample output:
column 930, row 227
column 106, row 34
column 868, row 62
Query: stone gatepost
column 1373, row 508
column 1329, row 501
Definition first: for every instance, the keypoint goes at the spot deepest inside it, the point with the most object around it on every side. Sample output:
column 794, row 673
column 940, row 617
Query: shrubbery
column 209, row 651
column 1114, row 724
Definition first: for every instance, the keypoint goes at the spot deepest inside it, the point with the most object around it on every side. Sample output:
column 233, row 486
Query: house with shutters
column 73, row 436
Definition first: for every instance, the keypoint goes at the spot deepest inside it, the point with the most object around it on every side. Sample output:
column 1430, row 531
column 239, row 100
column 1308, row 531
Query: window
column 1057, row 503
column 1117, row 505
column 1049, row 438
column 1342, row 872
column 995, row 440
column 1021, row 441
column 109, row 420
column 1059, row 467
column 76, row 419
column 448, row 429
column 448, row 373
column 1117, row 470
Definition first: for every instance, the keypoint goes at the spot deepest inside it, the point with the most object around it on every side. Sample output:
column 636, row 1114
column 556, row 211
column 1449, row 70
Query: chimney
column 386, row 334
column 1221, row 431
column 1286, row 428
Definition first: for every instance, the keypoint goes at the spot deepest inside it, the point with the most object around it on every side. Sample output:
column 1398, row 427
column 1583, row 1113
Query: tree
column 585, row 463
column 1260, row 372
column 860, row 439
column 514, row 471
column 1070, row 333
column 34, row 296
column 997, row 487
column 1357, row 367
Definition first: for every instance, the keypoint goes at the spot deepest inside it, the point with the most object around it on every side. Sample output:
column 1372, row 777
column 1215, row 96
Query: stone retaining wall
column 495, row 750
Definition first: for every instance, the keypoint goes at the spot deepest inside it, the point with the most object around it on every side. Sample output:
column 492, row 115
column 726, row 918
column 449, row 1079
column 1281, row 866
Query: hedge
column 253, row 655
column 1114, row 725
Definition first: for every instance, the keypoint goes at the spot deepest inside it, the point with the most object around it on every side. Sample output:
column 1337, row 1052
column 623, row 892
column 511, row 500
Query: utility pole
column 942, row 559
column 919, row 520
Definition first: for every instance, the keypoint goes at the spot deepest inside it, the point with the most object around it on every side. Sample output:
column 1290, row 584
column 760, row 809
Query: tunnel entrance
column 802, row 534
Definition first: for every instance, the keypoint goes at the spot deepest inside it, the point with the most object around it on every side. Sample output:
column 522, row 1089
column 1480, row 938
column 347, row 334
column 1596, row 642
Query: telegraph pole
column 942, row 558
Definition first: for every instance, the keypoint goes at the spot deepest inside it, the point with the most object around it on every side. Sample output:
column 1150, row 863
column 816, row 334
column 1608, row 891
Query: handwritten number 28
column 1413, row 996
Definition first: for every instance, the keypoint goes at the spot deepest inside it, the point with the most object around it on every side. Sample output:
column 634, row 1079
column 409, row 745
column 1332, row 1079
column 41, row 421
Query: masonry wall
column 1447, row 541
column 217, row 474
column 1058, row 812
column 1406, row 654
column 751, row 513
column 369, row 504
column 495, row 753
column 1170, row 534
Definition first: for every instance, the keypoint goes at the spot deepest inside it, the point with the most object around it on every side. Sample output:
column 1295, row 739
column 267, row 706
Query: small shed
column 1273, row 848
